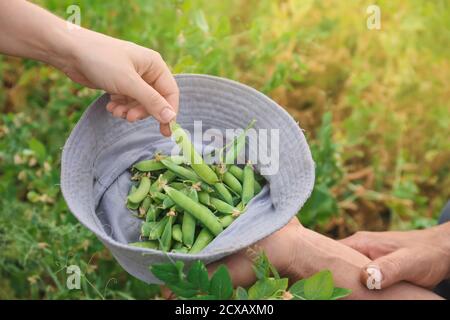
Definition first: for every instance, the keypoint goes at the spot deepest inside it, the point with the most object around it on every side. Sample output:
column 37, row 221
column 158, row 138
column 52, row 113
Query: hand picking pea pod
column 185, row 202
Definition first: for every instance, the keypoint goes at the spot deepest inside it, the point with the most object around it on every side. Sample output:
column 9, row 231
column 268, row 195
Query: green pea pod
column 159, row 196
column 141, row 192
column 168, row 203
column 188, row 223
column 203, row 239
column 149, row 165
column 204, row 198
column 156, row 231
column 190, row 154
column 180, row 171
column 199, row 211
column 176, row 233
column 177, row 185
column 166, row 238
column 147, row 227
column 237, row 145
column 131, row 205
column 223, row 207
column 223, row 192
column 145, row 204
column 248, row 185
column 152, row 213
column 145, row 244
column 225, row 221
column 188, row 229
column 239, row 174
column 181, row 250
column 162, row 180
column 232, row 182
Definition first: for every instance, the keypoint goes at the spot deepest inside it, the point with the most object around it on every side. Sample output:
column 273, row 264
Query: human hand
column 280, row 248
column 137, row 78
column 421, row 257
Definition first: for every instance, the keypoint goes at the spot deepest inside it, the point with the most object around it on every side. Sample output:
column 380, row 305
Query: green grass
column 374, row 105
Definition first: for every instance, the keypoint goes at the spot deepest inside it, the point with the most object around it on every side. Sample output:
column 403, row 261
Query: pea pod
column 177, row 185
column 203, row 239
column 225, row 221
column 223, row 207
column 188, row 223
column 248, row 189
column 190, row 154
column 232, row 182
column 145, row 244
column 131, row 205
column 181, row 250
column 239, row 174
column 200, row 212
column 152, row 213
column 204, row 198
column 180, row 171
column 141, row 192
column 223, row 192
column 147, row 227
column 176, row 233
column 144, row 206
column 166, row 237
column 149, row 165
column 158, row 229
column 162, row 180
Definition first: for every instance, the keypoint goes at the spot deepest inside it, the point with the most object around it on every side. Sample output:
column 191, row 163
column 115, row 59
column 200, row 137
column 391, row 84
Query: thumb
column 388, row 270
column 155, row 104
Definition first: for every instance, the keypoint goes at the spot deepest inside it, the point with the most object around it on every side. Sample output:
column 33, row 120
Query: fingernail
column 167, row 114
column 372, row 277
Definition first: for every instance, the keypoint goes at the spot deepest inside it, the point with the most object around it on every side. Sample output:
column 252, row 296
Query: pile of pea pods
column 184, row 202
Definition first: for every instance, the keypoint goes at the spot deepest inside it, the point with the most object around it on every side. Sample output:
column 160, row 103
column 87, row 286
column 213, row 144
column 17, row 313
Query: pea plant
column 197, row 285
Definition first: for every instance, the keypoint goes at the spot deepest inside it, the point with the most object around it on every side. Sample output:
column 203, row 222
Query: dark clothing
column 443, row 288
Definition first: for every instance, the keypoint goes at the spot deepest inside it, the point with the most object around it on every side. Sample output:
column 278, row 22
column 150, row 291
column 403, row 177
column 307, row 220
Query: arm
column 421, row 257
column 299, row 253
column 137, row 78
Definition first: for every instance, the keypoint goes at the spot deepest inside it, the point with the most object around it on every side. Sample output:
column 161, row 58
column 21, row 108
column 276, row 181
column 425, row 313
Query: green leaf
column 267, row 288
column 198, row 276
column 339, row 293
column 241, row 294
column 183, row 289
column 38, row 148
column 221, row 286
column 261, row 266
column 298, row 290
column 169, row 273
column 319, row 286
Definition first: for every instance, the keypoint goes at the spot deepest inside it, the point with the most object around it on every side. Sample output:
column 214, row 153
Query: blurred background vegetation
column 374, row 105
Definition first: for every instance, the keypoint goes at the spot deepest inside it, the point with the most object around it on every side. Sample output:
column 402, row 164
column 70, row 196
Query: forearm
column 29, row 31
column 317, row 252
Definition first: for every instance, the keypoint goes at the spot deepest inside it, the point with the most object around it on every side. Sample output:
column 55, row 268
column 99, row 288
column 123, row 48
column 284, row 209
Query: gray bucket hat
column 95, row 180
